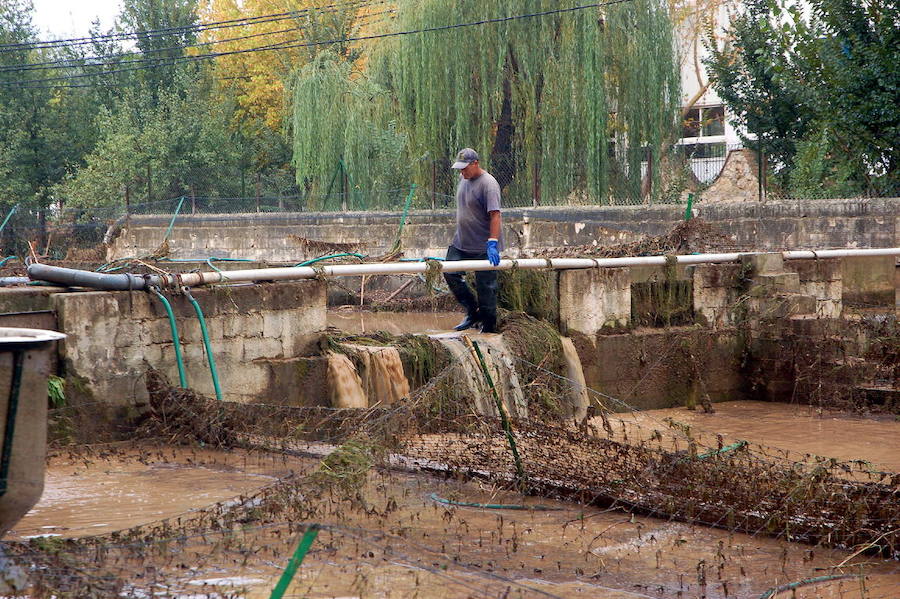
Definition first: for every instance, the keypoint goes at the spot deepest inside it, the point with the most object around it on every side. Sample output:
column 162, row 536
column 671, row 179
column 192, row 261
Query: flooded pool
column 119, row 489
column 803, row 429
column 396, row 540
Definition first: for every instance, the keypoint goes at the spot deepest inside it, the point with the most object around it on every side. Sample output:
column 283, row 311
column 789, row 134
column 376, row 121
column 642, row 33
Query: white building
column 707, row 136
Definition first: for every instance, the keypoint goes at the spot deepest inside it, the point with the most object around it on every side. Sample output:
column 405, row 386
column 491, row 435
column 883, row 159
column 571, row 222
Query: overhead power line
column 167, row 31
column 435, row 29
column 110, row 60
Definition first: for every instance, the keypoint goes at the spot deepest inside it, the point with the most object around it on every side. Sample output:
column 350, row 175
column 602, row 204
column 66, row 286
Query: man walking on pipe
column 477, row 237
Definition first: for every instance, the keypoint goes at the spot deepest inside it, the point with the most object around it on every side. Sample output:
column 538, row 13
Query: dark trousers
column 485, row 307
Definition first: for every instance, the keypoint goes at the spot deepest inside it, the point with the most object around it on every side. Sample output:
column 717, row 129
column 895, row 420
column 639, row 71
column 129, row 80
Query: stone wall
column 293, row 237
column 738, row 181
column 740, row 311
column 662, row 368
column 822, row 280
column 254, row 330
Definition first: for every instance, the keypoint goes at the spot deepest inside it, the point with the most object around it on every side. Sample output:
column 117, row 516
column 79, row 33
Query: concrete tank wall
column 114, row 336
column 286, row 237
column 23, row 409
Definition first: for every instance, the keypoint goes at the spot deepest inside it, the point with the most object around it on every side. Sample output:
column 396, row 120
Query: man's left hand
column 493, row 253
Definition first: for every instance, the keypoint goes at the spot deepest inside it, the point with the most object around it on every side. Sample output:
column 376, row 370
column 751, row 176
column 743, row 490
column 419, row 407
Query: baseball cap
column 464, row 158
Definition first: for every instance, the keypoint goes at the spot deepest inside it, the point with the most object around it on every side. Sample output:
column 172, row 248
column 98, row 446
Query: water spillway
column 364, row 376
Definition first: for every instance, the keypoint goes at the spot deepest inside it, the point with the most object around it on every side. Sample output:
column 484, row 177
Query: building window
column 704, row 122
column 713, row 150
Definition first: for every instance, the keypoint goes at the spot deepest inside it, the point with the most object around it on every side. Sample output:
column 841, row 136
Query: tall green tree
column 44, row 130
column 162, row 28
column 19, row 133
column 181, row 145
column 569, row 103
column 818, row 89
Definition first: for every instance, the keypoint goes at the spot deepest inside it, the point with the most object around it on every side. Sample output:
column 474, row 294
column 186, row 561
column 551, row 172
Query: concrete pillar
column 593, row 299
column 823, row 280
column 716, row 292
column 774, row 293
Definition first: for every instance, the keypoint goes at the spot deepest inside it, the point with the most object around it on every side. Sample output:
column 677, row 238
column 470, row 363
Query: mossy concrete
column 113, row 337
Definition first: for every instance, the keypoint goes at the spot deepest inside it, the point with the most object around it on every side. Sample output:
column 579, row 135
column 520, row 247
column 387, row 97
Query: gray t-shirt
column 475, row 198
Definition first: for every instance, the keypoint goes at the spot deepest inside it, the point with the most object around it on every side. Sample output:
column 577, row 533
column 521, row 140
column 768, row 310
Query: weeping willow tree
column 564, row 106
column 342, row 124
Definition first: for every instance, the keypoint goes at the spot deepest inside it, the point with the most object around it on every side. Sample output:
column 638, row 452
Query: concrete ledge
column 114, row 336
column 768, row 226
column 594, row 299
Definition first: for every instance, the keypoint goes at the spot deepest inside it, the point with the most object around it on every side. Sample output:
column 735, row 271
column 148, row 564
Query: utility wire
column 212, row 55
column 107, row 84
column 105, row 60
column 196, row 27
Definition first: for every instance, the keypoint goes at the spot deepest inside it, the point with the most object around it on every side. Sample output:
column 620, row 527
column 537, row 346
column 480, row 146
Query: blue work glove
column 492, row 252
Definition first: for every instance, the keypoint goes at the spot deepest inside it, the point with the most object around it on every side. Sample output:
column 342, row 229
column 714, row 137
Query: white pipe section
column 340, row 270
column 193, row 279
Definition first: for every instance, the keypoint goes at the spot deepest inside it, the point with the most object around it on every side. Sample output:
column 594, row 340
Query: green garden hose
column 802, row 583
column 205, row 333
column 172, row 222
column 8, row 216
column 521, row 477
column 398, row 244
column 688, row 211
column 329, row 257
column 207, row 259
column 288, row 575
column 495, row 506
column 726, row 449
column 182, row 377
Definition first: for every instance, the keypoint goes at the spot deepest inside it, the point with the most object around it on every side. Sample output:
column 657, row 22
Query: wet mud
column 396, row 538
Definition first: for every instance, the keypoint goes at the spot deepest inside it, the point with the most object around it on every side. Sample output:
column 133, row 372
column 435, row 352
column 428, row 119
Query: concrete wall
column 254, row 330
column 285, row 237
column 869, row 282
column 265, row 336
column 741, row 312
column 662, row 368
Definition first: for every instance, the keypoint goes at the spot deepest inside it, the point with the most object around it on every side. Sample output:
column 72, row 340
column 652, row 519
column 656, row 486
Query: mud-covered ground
column 394, row 535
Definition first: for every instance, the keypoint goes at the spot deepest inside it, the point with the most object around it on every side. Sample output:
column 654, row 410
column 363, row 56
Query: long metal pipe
column 121, row 282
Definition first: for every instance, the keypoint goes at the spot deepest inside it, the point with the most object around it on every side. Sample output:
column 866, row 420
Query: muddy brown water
column 405, row 544
column 799, row 428
column 118, row 487
column 396, row 323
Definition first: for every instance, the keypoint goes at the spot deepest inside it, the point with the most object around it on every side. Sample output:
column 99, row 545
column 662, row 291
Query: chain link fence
column 687, row 167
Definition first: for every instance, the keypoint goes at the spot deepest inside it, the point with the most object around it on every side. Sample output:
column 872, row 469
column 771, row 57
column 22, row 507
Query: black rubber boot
column 489, row 325
column 470, row 321
column 486, row 286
